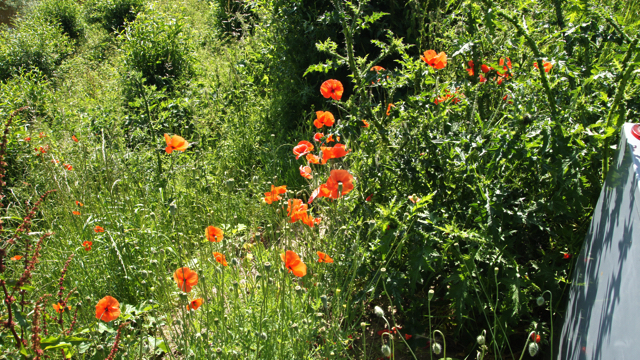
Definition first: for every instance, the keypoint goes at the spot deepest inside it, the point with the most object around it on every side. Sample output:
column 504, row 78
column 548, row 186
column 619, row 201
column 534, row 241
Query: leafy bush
column 234, row 18
column 113, row 14
column 32, row 44
column 66, row 13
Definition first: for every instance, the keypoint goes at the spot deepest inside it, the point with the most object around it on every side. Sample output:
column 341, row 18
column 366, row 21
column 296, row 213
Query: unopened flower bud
column 386, row 350
column 480, row 339
column 323, row 298
column 540, row 301
column 229, row 184
column 431, row 293
column 267, row 266
column 378, row 311
column 533, row 349
column 437, row 348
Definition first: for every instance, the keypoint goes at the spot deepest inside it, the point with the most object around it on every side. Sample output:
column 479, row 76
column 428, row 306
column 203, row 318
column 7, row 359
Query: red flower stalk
column 26, row 275
column 35, row 328
column 62, row 302
column 26, row 222
column 114, row 348
column 73, row 322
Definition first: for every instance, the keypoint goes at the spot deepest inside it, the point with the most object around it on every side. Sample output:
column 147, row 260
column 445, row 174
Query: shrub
column 66, row 13
column 113, row 14
column 32, row 44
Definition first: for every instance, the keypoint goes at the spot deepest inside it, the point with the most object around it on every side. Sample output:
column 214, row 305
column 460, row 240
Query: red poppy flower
column 55, row 161
column 185, row 278
column 74, row 138
column 332, row 89
column 324, row 118
column 313, row 159
column 500, row 81
column 335, row 152
column 41, row 135
column 75, row 212
column 274, row 194
column 175, row 142
column 407, row 336
column 330, row 139
column 470, row 69
column 508, row 66
column 213, row 234
column 377, row 68
column 16, row 258
column 389, row 109
column 324, row 258
column 321, row 191
column 485, row 69
column 98, row 229
column 59, row 308
column 536, row 338
column 28, row 138
column 304, row 147
column 318, row 137
column 220, row 258
column 366, row 124
column 79, row 203
column 547, row 66
column 436, row 61
column 296, row 210
column 68, row 167
column 294, row 264
column 305, row 171
column 87, row 245
column 195, row 304
column 482, row 79
column 368, row 198
column 566, row 256
column 336, row 178
column 107, row 309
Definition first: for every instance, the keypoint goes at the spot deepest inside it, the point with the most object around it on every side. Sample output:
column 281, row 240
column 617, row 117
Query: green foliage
column 33, row 44
column 113, row 14
column 233, row 18
column 65, row 13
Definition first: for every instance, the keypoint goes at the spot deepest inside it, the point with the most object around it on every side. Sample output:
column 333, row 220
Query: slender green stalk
column 444, row 343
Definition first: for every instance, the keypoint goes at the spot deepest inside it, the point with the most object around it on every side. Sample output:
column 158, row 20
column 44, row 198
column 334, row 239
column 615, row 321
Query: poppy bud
column 431, row 293
column 540, row 301
column 480, row 339
column 533, row 349
column 235, row 283
column 496, row 269
column 323, row 298
column 173, row 208
column 378, row 311
column 234, row 261
column 267, row 266
column 263, row 336
column 437, row 348
column 218, row 350
column 386, row 350
column 297, row 288
column 99, row 347
column 229, row 184
column 258, row 276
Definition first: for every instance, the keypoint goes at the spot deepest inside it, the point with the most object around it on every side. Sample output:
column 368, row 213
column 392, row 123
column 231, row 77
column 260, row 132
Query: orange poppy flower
column 332, row 89
column 185, row 278
column 369, row 198
column 294, row 264
column 547, row 66
column 377, row 68
column 321, row 191
column 304, row 147
column 16, row 258
column 313, row 159
column 305, row 171
column 59, row 308
column 214, row 234
column 330, row 139
column 107, row 309
column 324, row 118
column 220, row 258
column 55, row 161
column 436, row 61
column 336, row 178
column 28, row 138
column 485, row 69
column 322, row 257
column 75, row 212
column 482, row 79
column 318, row 137
column 74, row 138
column 274, row 195
column 79, row 203
column 41, row 135
column 366, row 124
column 87, row 245
column 195, row 304
column 296, row 209
column 335, row 152
column 470, row 69
column 389, row 109
column 98, row 229
column 175, row 142
column 68, row 167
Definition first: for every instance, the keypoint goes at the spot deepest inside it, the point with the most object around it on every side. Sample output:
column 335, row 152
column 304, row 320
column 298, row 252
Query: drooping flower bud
column 386, row 350
column 533, row 349
column 540, row 301
column 480, row 339
column 378, row 311
column 437, row 348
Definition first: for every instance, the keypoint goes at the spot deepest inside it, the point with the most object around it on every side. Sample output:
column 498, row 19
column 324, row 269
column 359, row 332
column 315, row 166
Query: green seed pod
column 386, row 350
column 540, row 301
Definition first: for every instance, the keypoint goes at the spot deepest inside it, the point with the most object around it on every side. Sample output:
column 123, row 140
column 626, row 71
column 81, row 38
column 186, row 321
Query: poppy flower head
column 195, row 304
column 75, row 213
column 330, row 139
column 41, row 135
column 335, row 152
column 16, row 258
column 566, row 256
column 175, row 142
column 470, row 69
column 332, row 89
column 185, row 278
column 294, row 264
column 547, row 66
column 535, row 337
column 482, row 79
column 485, row 69
column 79, row 203
column 321, row 191
column 436, row 61
column 220, row 258
column 303, row 148
column 74, row 138
column 324, row 258
column 98, row 229
column 107, row 309
column 28, row 138
column 377, row 68
column 214, row 234
column 274, row 194
column 55, row 161
column 323, row 118
column 368, row 199
column 389, row 108
column 313, row 159
column 305, row 171
column 59, row 308
column 318, row 136
column 337, row 179
column 87, row 245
